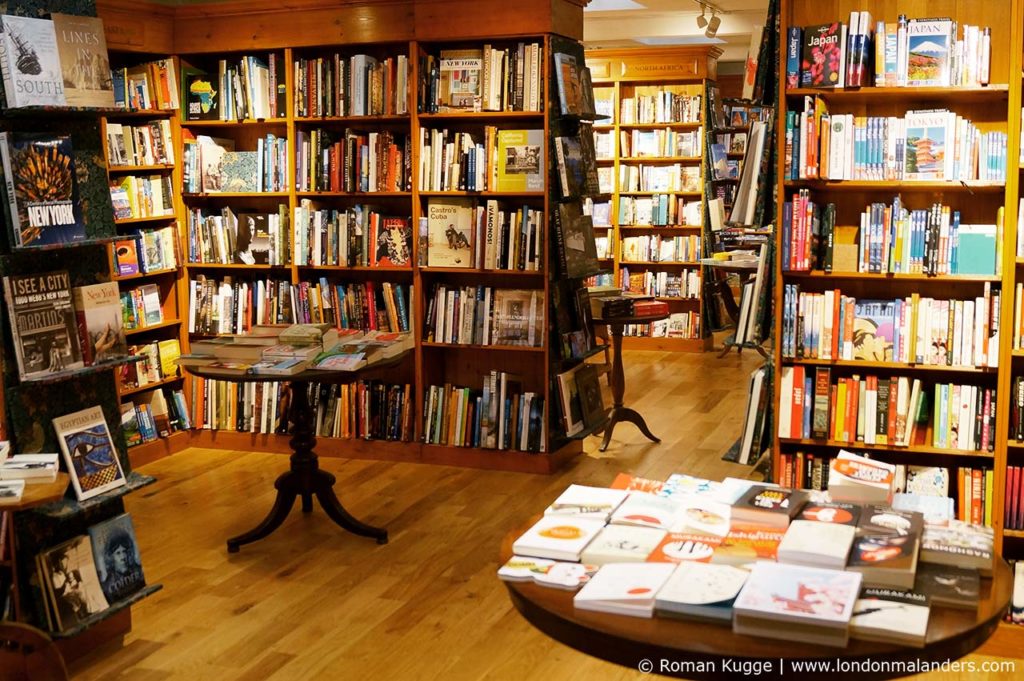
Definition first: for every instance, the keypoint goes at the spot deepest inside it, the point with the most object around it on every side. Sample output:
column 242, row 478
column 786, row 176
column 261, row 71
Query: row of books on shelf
column 661, row 248
column 83, row 576
column 903, row 53
column 154, row 415
column 1013, row 511
column 942, row 494
column 140, row 307
column 354, row 85
column 146, row 87
column 722, row 552
column 684, row 325
column 141, row 196
column 889, row 239
column 732, row 142
column 142, row 144
column 257, row 407
column 914, row 330
column 1016, row 426
column 150, row 250
column 241, row 239
column 659, row 178
column 465, row 233
column 247, row 87
column 482, row 79
column 662, row 284
column 496, row 160
column 363, row 410
column 370, row 306
column 637, row 144
column 158, row 363
column 927, row 145
column 501, row 416
column 329, row 161
column 357, row 236
column 663, row 106
column 660, row 210
column 233, row 305
column 212, row 165
column 484, row 315
column 896, row 411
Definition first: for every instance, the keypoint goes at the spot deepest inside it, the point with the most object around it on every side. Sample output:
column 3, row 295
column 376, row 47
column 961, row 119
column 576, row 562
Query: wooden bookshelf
column 993, row 108
column 623, row 73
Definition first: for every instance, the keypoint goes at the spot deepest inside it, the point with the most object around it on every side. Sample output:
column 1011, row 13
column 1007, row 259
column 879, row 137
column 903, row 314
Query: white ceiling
column 631, row 23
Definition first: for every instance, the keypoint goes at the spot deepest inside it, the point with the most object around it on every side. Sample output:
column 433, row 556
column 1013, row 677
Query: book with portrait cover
column 42, row 192
column 89, row 452
column 520, row 159
column 116, row 554
column 98, row 311
column 450, row 233
column 84, row 61
column 72, row 586
column 30, row 62
column 43, row 324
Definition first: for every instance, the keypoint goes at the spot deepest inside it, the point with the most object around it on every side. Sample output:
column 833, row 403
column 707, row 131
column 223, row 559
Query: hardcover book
column 589, row 386
column 201, row 98
column 89, row 452
column 460, row 79
column 393, row 243
column 821, row 63
column 576, row 246
column 520, row 159
column 450, row 233
column 929, row 44
column 117, row 557
column 252, row 239
column 98, row 311
column 84, row 62
column 570, row 86
column 43, row 323
column 571, row 172
column 874, row 330
column 30, row 63
column 239, row 172
column 42, row 191
column 518, row 317
column 11, row 491
column 72, row 586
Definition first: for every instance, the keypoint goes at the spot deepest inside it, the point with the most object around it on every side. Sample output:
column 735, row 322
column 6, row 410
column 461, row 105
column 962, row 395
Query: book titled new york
column 42, row 192
column 30, row 63
column 43, row 323
column 89, row 452
column 98, row 310
column 84, row 62
column 460, row 85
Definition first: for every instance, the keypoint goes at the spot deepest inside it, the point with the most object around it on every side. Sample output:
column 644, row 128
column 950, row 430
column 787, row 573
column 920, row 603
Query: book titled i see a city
column 43, row 324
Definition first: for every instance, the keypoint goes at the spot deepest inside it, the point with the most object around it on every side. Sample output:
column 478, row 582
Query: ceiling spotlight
column 702, row 21
column 713, row 25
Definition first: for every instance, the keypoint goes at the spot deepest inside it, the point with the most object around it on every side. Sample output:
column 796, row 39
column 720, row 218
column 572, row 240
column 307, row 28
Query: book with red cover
column 644, row 308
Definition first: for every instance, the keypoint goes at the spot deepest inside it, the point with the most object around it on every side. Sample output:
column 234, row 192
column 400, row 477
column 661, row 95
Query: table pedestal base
column 620, row 413
column 625, row 414
column 305, row 480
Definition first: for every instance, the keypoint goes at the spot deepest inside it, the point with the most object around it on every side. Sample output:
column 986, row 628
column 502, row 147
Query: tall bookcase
column 625, row 74
column 384, row 29
column 991, row 108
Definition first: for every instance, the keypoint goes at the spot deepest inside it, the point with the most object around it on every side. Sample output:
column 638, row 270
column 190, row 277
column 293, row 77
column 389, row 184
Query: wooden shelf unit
column 621, row 73
column 996, row 107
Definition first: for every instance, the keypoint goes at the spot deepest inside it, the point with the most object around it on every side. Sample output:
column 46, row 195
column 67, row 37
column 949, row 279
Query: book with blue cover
column 116, row 553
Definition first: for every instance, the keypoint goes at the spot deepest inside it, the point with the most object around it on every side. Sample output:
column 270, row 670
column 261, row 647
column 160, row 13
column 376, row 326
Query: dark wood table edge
column 304, row 479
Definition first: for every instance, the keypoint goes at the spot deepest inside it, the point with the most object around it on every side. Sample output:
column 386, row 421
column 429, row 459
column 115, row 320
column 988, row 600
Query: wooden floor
column 312, row 602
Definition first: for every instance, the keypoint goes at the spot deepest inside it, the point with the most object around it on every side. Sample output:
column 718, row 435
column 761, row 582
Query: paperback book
column 701, row 591
column 98, row 310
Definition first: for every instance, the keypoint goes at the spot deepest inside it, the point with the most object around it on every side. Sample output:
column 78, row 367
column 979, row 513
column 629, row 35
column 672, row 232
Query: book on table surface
column 85, row 64
column 683, row 547
column 551, row 573
column 747, row 544
column 33, row 468
column 558, row 537
column 587, row 502
column 43, row 323
column 959, row 544
column 89, row 452
column 701, row 591
column 890, row 616
column 646, row 510
column 808, row 542
column 936, row 510
column 948, row 586
column 886, row 548
column 11, row 491
column 762, row 505
column 622, row 544
column 836, row 512
column 624, row 588
column 858, row 479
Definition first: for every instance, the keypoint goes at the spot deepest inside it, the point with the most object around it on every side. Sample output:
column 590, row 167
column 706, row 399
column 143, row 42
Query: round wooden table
column 304, row 479
column 693, row 650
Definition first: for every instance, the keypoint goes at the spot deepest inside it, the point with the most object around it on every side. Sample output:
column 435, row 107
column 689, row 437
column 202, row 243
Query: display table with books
column 304, row 479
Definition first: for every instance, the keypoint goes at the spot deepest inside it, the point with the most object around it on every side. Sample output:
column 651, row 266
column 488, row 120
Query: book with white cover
column 808, row 542
column 11, row 491
column 936, row 510
column 33, row 468
column 680, row 483
column 587, row 502
column 860, row 480
column 624, row 588
column 890, row 616
column 701, row 590
column 648, row 510
column 558, row 537
column 814, row 604
column 622, row 544
column 702, row 514
column 552, row 573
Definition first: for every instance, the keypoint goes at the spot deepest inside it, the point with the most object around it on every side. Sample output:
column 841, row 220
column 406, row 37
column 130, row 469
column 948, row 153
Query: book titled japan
column 43, row 324
column 821, row 61
column 874, row 325
column 116, row 553
column 42, row 192
column 89, row 452
column 30, row 63
column 84, row 61
column 928, row 52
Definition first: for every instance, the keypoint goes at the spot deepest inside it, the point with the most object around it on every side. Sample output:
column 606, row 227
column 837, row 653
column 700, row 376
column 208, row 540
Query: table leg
column 305, row 480
column 620, row 412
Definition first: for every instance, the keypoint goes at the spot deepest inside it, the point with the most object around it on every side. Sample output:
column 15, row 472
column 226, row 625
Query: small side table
column 620, row 412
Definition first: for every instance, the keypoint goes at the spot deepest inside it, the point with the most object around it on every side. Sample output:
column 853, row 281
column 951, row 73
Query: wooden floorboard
column 312, row 602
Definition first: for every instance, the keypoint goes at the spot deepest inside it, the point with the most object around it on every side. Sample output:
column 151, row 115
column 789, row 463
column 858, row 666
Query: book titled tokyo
column 43, row 324
column 928, row 52
column 39, row 173
column 30, row 62
column 89, row 452
column 821, row 62
column 926, row 137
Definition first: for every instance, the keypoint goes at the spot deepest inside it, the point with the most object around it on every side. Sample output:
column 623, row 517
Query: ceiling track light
column 710, row 26
column 702, row 21
column 713, row 25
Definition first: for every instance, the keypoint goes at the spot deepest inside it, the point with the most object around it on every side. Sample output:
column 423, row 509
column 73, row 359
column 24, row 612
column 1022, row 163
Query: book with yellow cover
column 520, row 161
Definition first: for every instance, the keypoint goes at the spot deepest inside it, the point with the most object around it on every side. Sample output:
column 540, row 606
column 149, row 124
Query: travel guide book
column 43, row 324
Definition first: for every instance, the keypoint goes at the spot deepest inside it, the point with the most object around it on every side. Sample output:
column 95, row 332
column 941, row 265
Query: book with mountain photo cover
column 929, row 43
column 89, row 452
column 43, row 324
column 42, row 191
column 73, row 590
